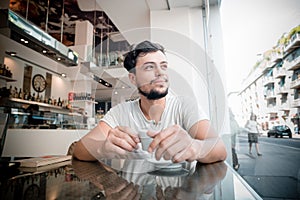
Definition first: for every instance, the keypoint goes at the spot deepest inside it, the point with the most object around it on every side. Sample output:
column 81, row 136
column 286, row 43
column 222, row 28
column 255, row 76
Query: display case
column 37, row 115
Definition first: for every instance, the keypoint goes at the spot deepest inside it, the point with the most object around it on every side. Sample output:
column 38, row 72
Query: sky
column 251, row 27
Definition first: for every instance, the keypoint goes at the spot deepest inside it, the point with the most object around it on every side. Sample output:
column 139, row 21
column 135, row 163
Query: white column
column 84, row 40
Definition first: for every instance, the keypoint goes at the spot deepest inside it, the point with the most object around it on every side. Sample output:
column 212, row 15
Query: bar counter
column 19, row 142
column 108, row 180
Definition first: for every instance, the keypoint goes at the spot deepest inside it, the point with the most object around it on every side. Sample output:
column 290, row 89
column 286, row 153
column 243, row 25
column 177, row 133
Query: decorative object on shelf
column 39, row 83
column 4, row 71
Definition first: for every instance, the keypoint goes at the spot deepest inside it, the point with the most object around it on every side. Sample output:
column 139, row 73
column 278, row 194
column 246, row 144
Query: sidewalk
column 296, row 136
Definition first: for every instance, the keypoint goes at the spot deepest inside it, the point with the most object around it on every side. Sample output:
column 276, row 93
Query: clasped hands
column 172, row 143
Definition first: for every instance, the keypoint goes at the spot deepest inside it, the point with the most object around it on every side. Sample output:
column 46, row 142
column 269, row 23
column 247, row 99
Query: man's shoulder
column 179, row 98
column 125, row 104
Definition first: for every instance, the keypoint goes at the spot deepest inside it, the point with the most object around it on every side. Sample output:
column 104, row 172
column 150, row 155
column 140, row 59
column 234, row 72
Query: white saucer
column 165, row 164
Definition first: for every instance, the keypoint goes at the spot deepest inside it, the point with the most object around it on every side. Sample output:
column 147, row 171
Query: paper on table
column 44, row 160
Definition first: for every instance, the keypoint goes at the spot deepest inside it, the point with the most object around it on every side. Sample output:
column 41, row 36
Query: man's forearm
column 211, row 150
column 81, row 152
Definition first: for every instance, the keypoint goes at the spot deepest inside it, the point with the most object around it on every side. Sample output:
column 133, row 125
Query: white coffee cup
column 145, row 139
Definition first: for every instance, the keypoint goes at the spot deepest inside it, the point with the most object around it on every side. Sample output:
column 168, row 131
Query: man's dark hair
column 139, row 50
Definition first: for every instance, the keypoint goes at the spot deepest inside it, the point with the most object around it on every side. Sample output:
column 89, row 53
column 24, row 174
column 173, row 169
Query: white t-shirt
column 251, row 126
column 179, row 110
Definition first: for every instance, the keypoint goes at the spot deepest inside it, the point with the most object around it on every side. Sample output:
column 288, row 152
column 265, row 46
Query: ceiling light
column 22, row 40
column 44, row 51
column 26, row 42
column 12, row 53
column 58, row 58
column 103, row 82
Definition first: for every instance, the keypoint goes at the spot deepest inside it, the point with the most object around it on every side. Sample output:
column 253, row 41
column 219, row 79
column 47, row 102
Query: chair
column 71, row 148
column 3, row 129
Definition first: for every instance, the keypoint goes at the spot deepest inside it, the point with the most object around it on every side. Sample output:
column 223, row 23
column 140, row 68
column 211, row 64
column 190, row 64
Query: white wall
column 177, row 20
column 59, row 88
column 17, row 69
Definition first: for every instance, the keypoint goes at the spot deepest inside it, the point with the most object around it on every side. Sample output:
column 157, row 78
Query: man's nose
column 159, row 71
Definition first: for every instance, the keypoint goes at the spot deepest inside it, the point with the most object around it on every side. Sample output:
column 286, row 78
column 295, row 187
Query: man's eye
column 149, row 67
column 164, row 67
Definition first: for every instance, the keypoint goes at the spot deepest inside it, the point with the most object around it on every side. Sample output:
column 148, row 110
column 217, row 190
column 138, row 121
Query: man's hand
column 123, row 190
column 119, row 141
column 106, row 142
column 173, row 143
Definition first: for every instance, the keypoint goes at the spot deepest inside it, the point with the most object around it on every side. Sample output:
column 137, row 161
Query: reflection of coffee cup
column 145, row 139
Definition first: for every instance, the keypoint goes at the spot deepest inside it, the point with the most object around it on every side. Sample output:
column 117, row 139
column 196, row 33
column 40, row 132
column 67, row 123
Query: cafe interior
column 61, row 70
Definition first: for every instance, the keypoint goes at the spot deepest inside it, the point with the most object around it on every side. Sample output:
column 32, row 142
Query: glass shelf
column 45, row 105
column 7, row 78
column 84, row 101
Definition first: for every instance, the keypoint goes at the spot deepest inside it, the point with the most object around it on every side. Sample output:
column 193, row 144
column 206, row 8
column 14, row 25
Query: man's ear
column 132, row 78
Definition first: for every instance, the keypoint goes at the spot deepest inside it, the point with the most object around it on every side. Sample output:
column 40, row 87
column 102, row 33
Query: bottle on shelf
column 59, row 103
column 49, row 100
column 4, row 70
column 16, row 92
column 63, row 103
column 26, row 95
column 10, row 91
column 29, row 96
column 33, row 97
column 68, row 105
column 37, row 98
column 8, row 73
column 20, row 94
column 41, row 99
column 54, row 101
column 1, row 70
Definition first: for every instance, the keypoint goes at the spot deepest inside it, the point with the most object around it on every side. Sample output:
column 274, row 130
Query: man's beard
column 153, row 95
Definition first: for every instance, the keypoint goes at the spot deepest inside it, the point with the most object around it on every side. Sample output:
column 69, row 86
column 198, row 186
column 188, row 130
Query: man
column 180, row 131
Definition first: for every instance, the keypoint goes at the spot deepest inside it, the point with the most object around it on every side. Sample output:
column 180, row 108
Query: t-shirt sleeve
column 112, row 117
column 192, row 112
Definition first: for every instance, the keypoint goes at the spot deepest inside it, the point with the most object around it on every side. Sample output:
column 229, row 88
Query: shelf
column 47, row 107
column 84, row 101
column 7, row 78
column 75, row 114
column 8, row 102
column 37, row 103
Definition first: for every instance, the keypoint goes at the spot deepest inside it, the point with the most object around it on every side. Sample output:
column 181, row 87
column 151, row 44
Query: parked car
column 280, row 130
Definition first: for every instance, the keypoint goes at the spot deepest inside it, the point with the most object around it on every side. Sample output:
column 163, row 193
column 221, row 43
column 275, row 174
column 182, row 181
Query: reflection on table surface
column 103, row 180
